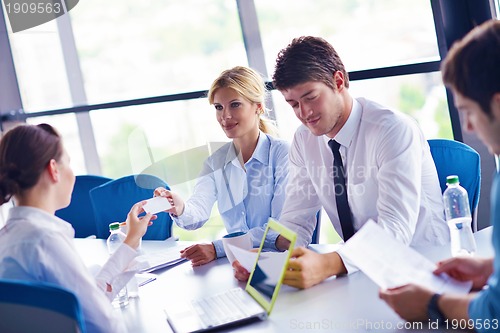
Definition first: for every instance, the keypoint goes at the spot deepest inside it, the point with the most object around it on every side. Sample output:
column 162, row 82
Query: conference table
column 339, row 304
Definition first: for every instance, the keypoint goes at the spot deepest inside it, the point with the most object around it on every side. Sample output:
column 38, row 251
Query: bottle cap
column 114, row 226
column 453, row 179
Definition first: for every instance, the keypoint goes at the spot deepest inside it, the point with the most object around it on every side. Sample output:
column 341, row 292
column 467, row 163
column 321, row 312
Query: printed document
column 390, row 263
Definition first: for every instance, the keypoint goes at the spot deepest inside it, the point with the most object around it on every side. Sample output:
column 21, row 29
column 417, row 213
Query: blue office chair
column 79, row 212
column 456, row 158
column 27, row 307
column 112, row 201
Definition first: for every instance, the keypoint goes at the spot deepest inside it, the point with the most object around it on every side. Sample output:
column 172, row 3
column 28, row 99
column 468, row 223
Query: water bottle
column 458, row 217
column 133, row 284
column 114, row 241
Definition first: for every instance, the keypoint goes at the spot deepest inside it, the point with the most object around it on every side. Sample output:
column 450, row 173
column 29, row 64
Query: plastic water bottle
column 133, row 284
column 114, row 241
column 458, row 217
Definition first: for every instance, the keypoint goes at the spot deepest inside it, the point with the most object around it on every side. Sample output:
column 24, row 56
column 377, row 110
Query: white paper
column 390, row 263
column 152, row 261
column 246, row 258
column 156, row 205
column 271, row 263
column 144, row 278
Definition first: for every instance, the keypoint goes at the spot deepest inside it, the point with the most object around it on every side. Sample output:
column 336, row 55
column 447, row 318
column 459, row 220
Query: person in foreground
column 471, row 70
column 35, row 245
column 246, row 177
column 355, row 158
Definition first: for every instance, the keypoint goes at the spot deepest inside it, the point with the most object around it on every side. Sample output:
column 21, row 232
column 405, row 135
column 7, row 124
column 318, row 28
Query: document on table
column 270, row 262
column 390, row 263
column 152, row 261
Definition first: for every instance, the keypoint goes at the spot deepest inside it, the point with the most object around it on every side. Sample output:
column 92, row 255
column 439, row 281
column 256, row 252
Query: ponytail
column 268, row 126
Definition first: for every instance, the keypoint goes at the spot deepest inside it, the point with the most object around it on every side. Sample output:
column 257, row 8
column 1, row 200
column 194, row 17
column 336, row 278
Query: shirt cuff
column 349, row 265
column 219, row 248
column 116, row 264
column 185, row 221
column 270, row 241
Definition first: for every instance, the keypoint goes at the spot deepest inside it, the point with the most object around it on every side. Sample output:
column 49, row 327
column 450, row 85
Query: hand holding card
column 156, row 205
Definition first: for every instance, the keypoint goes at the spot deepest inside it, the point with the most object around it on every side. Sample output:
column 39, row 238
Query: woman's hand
column 240, row 273
column 174, row 199
column 137, row 226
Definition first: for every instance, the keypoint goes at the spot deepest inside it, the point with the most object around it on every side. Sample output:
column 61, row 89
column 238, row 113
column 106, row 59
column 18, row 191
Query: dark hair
column 472, row 66
column 25, row 151
column 305, row 59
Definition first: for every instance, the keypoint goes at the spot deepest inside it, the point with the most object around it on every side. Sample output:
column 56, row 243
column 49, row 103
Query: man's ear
column 53, row 170
column 338, row 80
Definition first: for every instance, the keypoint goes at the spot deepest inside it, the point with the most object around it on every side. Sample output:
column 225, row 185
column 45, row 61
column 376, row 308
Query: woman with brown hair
column 35, row 245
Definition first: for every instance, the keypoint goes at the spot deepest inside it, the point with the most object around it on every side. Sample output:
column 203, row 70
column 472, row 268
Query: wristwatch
column 433, row 311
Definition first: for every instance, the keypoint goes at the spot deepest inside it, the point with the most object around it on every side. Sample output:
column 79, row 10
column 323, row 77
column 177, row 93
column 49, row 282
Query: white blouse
column 37, row 246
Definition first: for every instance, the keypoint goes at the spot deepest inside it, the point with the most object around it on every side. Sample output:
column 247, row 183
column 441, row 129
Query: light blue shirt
column 246, row 196
column 486, row 306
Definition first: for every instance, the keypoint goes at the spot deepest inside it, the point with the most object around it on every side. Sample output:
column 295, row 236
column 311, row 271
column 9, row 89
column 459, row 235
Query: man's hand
column 477, row 270
column 240, row 273
column 409, row 301
column 307, row 268
column 199, row 254
column 174, row 199
column 282, row 243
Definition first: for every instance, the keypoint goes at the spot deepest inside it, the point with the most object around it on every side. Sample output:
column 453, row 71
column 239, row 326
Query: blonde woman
column 247, row 177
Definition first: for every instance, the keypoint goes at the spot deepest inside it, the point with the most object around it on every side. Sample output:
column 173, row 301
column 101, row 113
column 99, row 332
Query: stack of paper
column 152, row 261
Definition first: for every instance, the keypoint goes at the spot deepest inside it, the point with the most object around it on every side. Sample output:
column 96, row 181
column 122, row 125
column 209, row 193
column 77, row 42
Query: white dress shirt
column 391, row 178
column 246, row 195
column 37, row 246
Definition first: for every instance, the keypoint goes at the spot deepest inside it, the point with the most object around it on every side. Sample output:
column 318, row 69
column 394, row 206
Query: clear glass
column 158, row 48
column 121, row 299
column 405, row 31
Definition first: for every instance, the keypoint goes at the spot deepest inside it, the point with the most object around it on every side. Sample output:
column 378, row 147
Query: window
column 68, row 129
column 405, row 34
column 40, row 68
column 159, row 47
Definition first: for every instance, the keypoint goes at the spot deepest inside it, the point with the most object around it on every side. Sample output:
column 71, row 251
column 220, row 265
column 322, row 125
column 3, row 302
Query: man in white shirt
column 385, row 160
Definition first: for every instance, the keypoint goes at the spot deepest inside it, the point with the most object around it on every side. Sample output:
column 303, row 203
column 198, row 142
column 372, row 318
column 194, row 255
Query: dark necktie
column 343, row 209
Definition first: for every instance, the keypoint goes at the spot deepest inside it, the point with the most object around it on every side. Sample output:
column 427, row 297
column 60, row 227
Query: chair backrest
column 27, row 307
column 79, row 212
column 112, row 201
column 456, row 158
